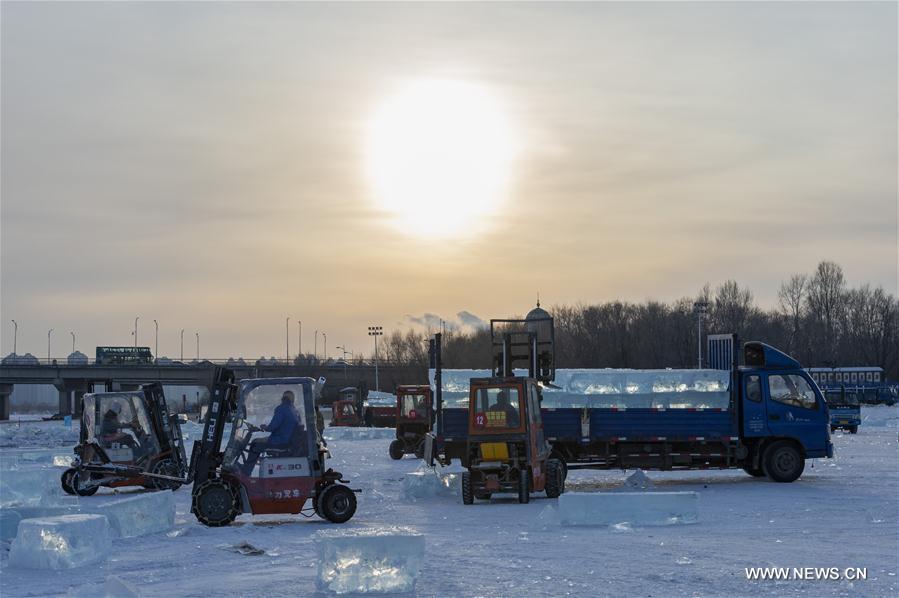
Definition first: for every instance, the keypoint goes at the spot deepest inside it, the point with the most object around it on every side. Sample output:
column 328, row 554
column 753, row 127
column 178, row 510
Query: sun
column 438, row 157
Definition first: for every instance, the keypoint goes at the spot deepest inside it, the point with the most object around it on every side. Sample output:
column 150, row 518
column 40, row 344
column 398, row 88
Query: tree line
column 818, row 319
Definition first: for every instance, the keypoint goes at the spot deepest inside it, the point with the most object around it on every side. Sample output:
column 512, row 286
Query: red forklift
column 126, row 439
column 414, row 415
column 347, row 409
column 506, row 450
column 249, row 475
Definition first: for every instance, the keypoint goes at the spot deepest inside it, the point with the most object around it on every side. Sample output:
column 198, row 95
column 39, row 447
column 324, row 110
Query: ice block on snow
column 636, row 508
column 60, row 542
column 31, row 486
column 139, row 515
column 428, row 483
column 383, row 560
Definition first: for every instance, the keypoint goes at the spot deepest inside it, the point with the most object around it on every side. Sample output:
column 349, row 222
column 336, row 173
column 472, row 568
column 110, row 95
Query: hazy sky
column 205, row 164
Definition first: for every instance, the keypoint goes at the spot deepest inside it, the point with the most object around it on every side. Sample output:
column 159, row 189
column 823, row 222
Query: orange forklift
column 506, row 449
column 347, row 409
column 413, row 420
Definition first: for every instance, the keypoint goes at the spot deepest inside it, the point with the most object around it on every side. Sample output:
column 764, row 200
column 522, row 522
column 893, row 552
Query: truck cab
column 784, row 417
column 506, row 449
column 845, row 409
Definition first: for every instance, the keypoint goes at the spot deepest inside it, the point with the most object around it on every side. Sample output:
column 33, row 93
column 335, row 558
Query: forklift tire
column 564, row 463
column 467, row 495
column 81, row 491
column 66, row 480
column 754, row 472
column 337, row 503
column 555, row 482
column 853, row 429
column 524, row 488
column 783, row 462
column 215, row 503
column 165, row 467
column 396, row 450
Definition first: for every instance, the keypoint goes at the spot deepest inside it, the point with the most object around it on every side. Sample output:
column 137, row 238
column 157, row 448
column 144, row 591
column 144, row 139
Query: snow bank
column 38, row 434
column 634, row 508
column 31, row 486
column 60, row 542
column 384, row 560
column 429, row 482
column 139, row 515
column 880, row 416
column 348, row 433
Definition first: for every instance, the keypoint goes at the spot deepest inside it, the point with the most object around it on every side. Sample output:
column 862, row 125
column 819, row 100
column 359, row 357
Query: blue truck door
column 795, row 411
column 755, row 416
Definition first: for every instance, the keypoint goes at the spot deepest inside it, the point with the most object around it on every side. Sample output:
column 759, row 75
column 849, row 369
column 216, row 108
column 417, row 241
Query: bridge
column 73, row 381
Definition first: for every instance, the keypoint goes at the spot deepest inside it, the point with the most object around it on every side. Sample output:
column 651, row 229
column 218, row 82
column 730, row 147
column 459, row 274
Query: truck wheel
column 555, row 481
column 215, row 503
column 396, row 450
column 75, row 482
column 756, row 472
column 67, row 482
column 337, row 503
column 853, row 429
column 524, row 488
column 783, row 462
column 165, row 467
column 467, row 496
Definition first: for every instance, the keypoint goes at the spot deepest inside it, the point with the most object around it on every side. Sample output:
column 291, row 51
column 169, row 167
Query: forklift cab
column 507, row 451
column 413, row 420
column 345, row 410
column 120, row 424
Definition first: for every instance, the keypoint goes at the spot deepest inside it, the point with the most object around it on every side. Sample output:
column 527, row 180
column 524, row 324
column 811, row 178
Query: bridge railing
column 227, row 362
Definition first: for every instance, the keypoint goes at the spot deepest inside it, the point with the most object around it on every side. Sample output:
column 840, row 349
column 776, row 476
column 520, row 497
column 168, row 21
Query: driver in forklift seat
column 111, row 428
column 503, row 405
column 283, row 430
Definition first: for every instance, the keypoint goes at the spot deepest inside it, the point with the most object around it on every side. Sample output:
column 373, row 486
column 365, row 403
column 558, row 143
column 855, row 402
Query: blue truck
column 845, row 409
column 766, row 416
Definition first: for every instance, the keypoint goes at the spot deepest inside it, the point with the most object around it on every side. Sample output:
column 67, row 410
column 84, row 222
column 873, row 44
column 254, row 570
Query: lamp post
column 73, row 340
column 700, row 308
column 182, row 344
column 376, row 331
column 49, row 332
column 326, row 345
column 15, row 335
column 287, row 336
column 300, row 339
column 156, row 345
column 315, row 351
column 135, row 331
column 198, row 346
column 344, row 359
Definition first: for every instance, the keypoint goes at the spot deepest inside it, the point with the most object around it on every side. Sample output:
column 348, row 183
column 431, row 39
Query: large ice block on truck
column 31, row 486
column 428, row 482
column 139, row 515
column 61, row 542
column 635, row 508
column 381, row 560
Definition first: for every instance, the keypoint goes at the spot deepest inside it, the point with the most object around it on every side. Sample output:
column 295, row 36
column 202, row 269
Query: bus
column 124, row 356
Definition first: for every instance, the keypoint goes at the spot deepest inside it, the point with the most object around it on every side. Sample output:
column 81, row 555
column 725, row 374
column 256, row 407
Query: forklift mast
column 528, row 344
column 170, row 434
column 206, row 454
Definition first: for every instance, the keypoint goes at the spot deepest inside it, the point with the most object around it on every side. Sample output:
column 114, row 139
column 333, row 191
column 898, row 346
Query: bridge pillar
column 65, row 401
column 79, row 394
column 5, row 394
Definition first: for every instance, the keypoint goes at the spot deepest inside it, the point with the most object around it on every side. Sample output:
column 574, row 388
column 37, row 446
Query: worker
column 111, row 428
column 505, row 406
column 285, row 421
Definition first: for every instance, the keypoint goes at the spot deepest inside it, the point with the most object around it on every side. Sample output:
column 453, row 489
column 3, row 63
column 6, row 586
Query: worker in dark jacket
column 111, row 428
column 285, row 422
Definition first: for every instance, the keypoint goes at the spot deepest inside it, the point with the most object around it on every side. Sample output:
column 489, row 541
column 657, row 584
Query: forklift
column 127, row 439
column 413, row 420
column 347, row 409
column 506, row 450
column 252, row 476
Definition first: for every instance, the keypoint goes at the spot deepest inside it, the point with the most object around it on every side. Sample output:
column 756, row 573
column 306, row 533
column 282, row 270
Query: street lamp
column 700, row 308
column 315, row 351
column 48, row 344
column 198, row 346
column 344, row 359
column 300, row 339
column 287, row 335
column 156, row 346
column 15, row 336
column 376, row 331
column 135, row 331
column 73, row 340
column 182, row 344
column 326, row 345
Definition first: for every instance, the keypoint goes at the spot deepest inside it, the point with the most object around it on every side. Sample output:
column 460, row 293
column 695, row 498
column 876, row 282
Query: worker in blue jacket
column 285, row 423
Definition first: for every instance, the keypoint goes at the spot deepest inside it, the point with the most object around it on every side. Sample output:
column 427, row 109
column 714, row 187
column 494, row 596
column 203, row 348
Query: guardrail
column 230, row 361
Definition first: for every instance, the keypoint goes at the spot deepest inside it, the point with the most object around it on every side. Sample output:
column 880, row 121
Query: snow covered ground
column 841, row 513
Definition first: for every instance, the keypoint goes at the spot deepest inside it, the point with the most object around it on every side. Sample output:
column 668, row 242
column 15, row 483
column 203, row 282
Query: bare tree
column 791, row 298
column 826, row 300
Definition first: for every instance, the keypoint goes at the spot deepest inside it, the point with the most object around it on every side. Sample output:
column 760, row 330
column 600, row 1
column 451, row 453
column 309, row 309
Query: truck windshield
column 413, row 406
column 497, row 408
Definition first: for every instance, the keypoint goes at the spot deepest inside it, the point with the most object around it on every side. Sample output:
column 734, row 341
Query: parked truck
column 765, row 416
column 845, row 410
